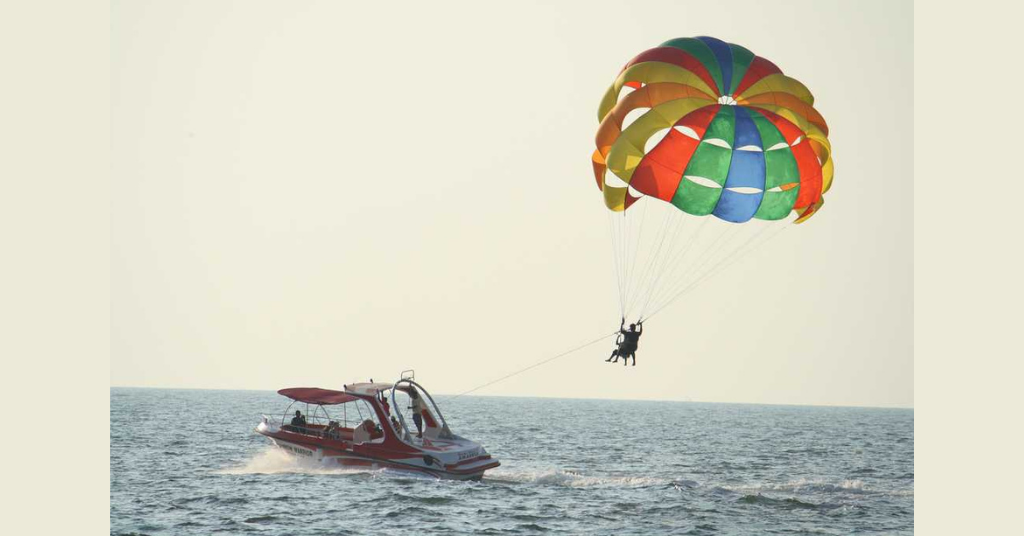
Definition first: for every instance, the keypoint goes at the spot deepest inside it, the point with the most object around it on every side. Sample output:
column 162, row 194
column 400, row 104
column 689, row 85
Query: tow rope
column 537, row 364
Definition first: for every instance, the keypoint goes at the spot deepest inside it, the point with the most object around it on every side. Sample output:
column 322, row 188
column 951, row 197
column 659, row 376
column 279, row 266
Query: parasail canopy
column 712, row 129
column 698, row 127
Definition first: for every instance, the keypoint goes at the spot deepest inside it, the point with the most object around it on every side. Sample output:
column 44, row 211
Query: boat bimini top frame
column 406, row 384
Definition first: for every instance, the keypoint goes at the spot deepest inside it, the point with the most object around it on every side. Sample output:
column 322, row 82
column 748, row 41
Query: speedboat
column 376, row 434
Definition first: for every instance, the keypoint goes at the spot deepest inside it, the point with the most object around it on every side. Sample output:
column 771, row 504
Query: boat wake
column 570, row 479
column 272, row 461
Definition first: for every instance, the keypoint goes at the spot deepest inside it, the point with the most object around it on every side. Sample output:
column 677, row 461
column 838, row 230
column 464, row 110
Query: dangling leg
column 615, row 354
column 634, row 359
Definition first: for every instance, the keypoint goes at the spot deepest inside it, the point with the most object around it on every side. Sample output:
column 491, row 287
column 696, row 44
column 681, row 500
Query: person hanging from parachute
column 618, row 348
column 627, row 342
column 701, row 130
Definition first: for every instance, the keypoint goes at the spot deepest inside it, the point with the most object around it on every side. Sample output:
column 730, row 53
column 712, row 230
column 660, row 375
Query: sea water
column 188, row 462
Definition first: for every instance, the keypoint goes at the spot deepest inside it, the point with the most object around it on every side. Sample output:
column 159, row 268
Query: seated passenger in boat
column 332, row 431
column 364, row 432
column 299, row 421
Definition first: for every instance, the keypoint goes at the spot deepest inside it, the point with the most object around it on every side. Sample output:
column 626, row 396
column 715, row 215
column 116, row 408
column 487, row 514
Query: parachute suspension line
column 620, row 235
column 672, row 261
column 782, row 227
column 664, row 251
column 689, row 283
column 673, row 265
column 627, row 224
column 733, row 255
column 616, row 257
column 728, row 235
column 620, row 246
column 752, row 244
column 621, row 231
column 705, row 257
column 617, row 246
column 643, row 282
column 624, row 261
column 728, row 261
column 537, row 364
column 636, row 277
column 636, row 251
column 680, row 270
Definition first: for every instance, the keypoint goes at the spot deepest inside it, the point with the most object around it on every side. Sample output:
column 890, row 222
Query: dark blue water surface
column 188, row 462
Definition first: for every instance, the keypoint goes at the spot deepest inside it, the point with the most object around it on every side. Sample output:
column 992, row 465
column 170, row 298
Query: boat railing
column 315, row 424
column 309, row 418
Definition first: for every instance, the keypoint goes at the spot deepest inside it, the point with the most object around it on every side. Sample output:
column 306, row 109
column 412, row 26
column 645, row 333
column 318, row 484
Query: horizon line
column 449, row 396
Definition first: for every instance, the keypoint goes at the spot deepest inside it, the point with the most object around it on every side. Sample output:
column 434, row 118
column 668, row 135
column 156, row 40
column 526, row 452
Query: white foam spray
column 570, row 479
column 273, row 460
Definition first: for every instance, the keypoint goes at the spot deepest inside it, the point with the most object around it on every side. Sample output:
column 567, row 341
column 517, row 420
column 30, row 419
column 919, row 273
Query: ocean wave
column 259, row 520
column 805, row 486
column 185, row 503
column 401, row 498
column 808, row 450
column 408, row 511
column 789, row 504
column 680, row 485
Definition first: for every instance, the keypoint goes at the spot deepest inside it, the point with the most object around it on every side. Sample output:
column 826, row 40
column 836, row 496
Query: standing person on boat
column 630, row 340
column 384, row 402
column 417, row 411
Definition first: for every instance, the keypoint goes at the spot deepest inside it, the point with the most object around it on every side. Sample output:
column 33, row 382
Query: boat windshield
column 417, row 413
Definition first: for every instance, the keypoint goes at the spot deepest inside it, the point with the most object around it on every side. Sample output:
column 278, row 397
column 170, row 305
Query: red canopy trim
column 316, row 395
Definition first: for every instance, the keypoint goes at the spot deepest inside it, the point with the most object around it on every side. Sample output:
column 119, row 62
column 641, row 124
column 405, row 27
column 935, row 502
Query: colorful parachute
column 712, row 129
column 698, row 127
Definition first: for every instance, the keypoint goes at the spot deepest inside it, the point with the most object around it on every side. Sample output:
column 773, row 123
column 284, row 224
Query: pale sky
column 316, row 194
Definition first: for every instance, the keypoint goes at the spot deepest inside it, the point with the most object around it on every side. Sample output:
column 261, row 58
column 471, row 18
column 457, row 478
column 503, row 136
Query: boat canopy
column 368, row 389
column 316, row 395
